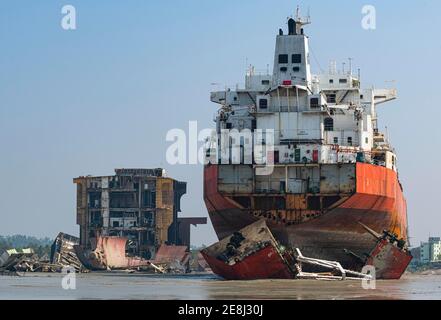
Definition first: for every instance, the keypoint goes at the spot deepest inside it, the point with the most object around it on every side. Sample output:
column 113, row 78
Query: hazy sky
column 104, row 96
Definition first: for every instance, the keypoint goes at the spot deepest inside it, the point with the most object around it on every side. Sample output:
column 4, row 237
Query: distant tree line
column 41, row 246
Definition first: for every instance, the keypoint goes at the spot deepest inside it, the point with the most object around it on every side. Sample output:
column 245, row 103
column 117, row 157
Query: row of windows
column 295, row 58
column 342, row 81
column 295, row 69
column 349, row 141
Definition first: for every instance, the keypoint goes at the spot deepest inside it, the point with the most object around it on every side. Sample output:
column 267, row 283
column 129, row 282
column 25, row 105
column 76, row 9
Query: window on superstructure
column 296, row 69
column 331, row 81
column 335, row 140
column 331, row 98
column 314, row 103
column 283, row 69
column 343, row 81
column 283, row 58
column 265, row 82
column 329, row 124
column 263, row 103
column 349, row 141
column 296, row 58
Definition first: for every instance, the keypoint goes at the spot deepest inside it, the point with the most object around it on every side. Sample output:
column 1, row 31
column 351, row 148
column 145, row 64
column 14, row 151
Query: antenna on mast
column 301, row 21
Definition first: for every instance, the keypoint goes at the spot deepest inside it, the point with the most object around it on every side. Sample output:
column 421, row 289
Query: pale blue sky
column 103, row 96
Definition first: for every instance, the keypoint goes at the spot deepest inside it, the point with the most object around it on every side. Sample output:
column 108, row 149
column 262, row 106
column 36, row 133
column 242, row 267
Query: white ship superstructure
column 323, row 118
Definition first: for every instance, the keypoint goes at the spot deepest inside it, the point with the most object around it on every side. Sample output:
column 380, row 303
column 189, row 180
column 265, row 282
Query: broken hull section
column 108, row 253
column 253, row 253
column 264, row 264
column 255, row 256
column 377, row 202
column 389, row 261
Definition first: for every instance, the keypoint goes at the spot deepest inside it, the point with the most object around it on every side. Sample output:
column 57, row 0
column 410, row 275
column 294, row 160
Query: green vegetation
column 40, row 246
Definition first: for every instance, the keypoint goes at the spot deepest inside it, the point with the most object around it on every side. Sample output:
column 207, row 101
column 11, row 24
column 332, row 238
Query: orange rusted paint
column 377, row 202
column 378, row 190
column 264, row 264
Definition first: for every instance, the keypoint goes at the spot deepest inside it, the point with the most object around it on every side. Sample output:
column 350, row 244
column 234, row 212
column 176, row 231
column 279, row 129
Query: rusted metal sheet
column 213, row 199
column 389, row 261
column 390, row 257
column 173, row 258
column 164, row 209
column 376, row 180
column 252, row 253
column 378, row 190
column 337, row 179
column 166, row 254
column 297, row 202
column 235, row 179
column 109, row 253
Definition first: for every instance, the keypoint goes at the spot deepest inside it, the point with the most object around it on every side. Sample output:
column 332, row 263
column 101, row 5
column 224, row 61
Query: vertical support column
column 105, row 206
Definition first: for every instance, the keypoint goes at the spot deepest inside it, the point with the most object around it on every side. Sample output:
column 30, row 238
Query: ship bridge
column 326, row 118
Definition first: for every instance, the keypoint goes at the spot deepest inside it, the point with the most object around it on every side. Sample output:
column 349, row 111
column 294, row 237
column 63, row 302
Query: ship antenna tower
column 301, row 21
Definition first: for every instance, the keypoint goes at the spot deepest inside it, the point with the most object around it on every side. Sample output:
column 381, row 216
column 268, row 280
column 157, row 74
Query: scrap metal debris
column 24, row 260
column 173, row 259
column 109, row 253
column 198, row 263
column 337, row 271
column 13, row 261
column 63, row 253
column 390, row 256
column 253, row 253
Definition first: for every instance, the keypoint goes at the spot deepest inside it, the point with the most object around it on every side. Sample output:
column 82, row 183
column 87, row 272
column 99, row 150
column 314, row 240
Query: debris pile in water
column 109, row 254
column 26, row 260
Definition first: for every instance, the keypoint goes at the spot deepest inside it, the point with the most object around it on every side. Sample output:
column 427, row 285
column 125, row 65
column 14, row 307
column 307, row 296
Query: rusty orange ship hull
column 334, row 234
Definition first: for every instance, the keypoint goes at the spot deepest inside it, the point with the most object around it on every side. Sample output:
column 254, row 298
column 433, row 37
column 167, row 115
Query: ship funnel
column 292, row 27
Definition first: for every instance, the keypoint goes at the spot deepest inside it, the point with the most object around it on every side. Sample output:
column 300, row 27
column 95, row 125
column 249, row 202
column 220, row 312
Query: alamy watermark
column 230, row 146
column 369, row 20
column 69, row 280
column 69, row 18
column 369, row 283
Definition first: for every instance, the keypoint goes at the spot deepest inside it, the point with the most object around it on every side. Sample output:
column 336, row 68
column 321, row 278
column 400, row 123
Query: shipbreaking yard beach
column 121, row 285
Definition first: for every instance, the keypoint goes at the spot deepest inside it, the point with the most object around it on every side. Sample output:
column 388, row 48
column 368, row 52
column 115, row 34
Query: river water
column 119, row 285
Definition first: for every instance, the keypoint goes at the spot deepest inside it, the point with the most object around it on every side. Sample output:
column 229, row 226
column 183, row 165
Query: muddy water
column 138, row 286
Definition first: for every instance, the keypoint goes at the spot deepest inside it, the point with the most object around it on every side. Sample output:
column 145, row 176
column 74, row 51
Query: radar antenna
column 302, row 20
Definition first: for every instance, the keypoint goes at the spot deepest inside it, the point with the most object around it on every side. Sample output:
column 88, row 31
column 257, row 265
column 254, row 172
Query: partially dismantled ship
column 334, row 181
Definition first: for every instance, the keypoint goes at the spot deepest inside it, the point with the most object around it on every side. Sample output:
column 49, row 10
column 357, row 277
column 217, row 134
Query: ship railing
column 276, row 109
column 334, row 266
